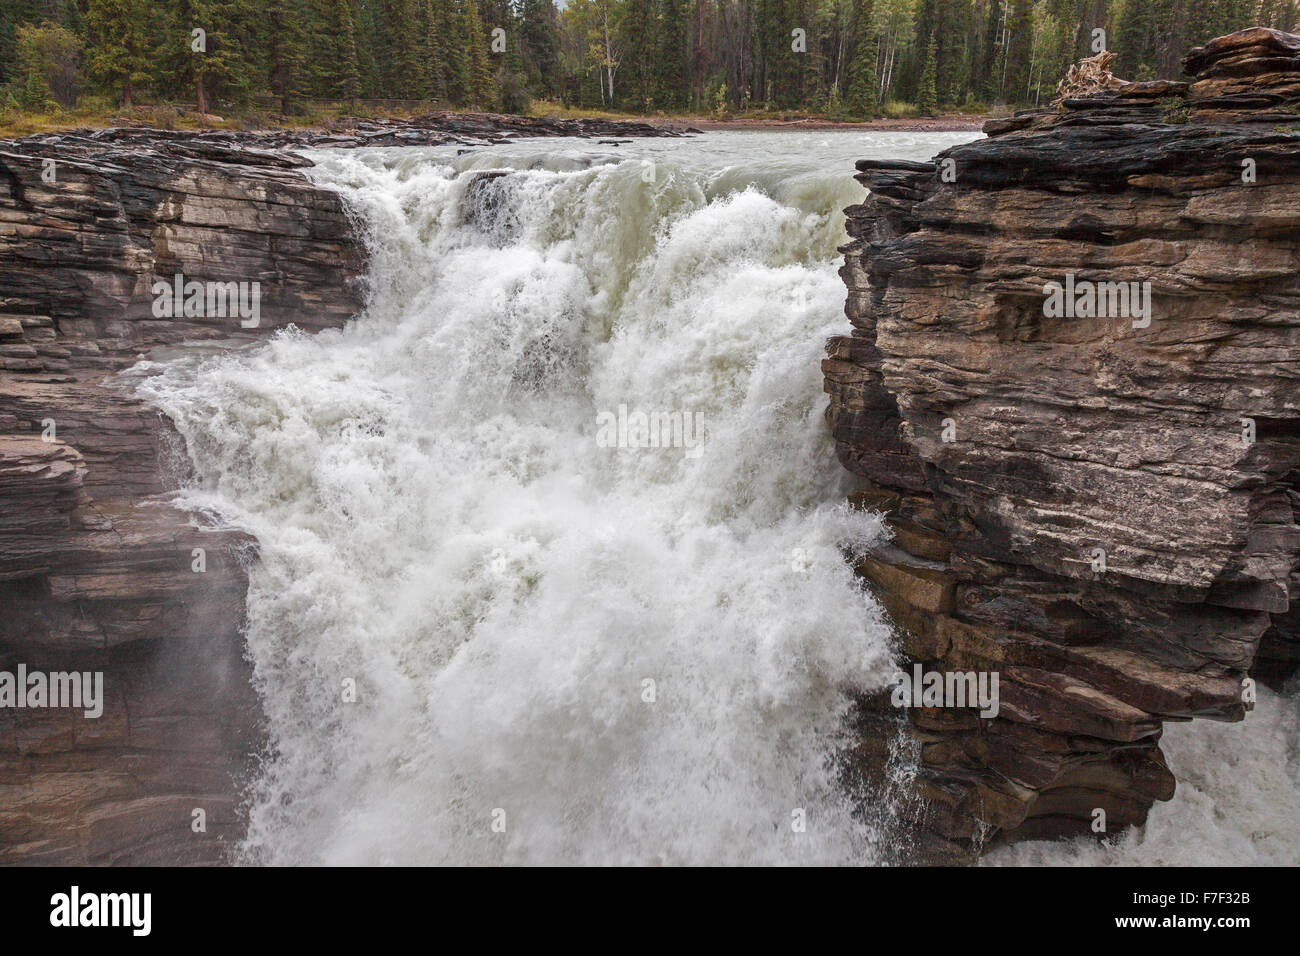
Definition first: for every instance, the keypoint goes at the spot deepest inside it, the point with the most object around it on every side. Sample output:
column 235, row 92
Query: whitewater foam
column 438, row 523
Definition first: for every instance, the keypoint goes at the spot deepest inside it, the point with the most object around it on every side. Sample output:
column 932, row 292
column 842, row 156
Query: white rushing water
column 441, row 522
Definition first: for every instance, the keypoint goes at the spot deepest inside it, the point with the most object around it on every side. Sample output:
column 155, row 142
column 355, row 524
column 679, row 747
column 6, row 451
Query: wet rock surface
column 98, row 571
column 1100, row 507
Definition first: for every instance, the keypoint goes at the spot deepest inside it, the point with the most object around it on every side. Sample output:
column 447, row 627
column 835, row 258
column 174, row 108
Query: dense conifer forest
column 846, row 59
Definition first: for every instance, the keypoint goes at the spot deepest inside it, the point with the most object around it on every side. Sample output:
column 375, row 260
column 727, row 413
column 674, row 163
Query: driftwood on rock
column 1088, row 77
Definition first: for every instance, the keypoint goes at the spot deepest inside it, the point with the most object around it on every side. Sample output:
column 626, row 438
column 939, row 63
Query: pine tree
column 783, row 70
column 177, row 64
column 368, row 32
column 284, row 51
column 508, row 87
column 672, row 74
column 861, row 102
column 427, row 51
column 1145, row 36
column 960, row 53
column 802, row 65
column 479, row 92
column 400, row 66
column 631, row 54
column 1279, row 14
column 119, row 45
column 1062, row 52
column 443, row 48
column 638, row 36
column 1220, row 17
column 13, row 14
column 221, row 60
column 541, row 45
column 927, row 99
column 227, row 67
column 336, row 66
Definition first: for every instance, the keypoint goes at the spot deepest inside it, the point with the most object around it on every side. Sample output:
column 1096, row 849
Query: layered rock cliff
column 98, row 572
column 1097, row 505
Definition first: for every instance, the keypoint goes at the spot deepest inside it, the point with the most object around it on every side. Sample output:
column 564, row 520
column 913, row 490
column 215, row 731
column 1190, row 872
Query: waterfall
column 487, row 625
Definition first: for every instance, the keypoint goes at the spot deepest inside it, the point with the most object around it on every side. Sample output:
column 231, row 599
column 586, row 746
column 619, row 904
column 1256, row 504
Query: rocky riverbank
column 1097, row 504
column 430, row 129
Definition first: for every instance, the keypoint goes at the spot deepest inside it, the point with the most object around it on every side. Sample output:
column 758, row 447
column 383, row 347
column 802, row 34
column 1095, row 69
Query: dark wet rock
column 1009, row 449
column 98, row 571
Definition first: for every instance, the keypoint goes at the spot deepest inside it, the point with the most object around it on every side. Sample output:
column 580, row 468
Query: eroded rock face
column 1099, row 509
column 98, row 572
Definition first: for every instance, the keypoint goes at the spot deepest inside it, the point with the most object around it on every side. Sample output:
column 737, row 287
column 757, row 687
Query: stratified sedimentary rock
column 98, row 572
column 1099, row 508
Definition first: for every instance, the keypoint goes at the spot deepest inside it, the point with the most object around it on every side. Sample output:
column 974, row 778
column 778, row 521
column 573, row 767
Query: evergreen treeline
column 840, row 57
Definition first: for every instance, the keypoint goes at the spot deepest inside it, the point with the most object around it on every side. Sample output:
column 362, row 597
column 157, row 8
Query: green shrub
column 52, row 54
column 900, row 109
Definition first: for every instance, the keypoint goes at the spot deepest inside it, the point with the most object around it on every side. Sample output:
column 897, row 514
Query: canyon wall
column 1099, row 509
column 98, row 572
